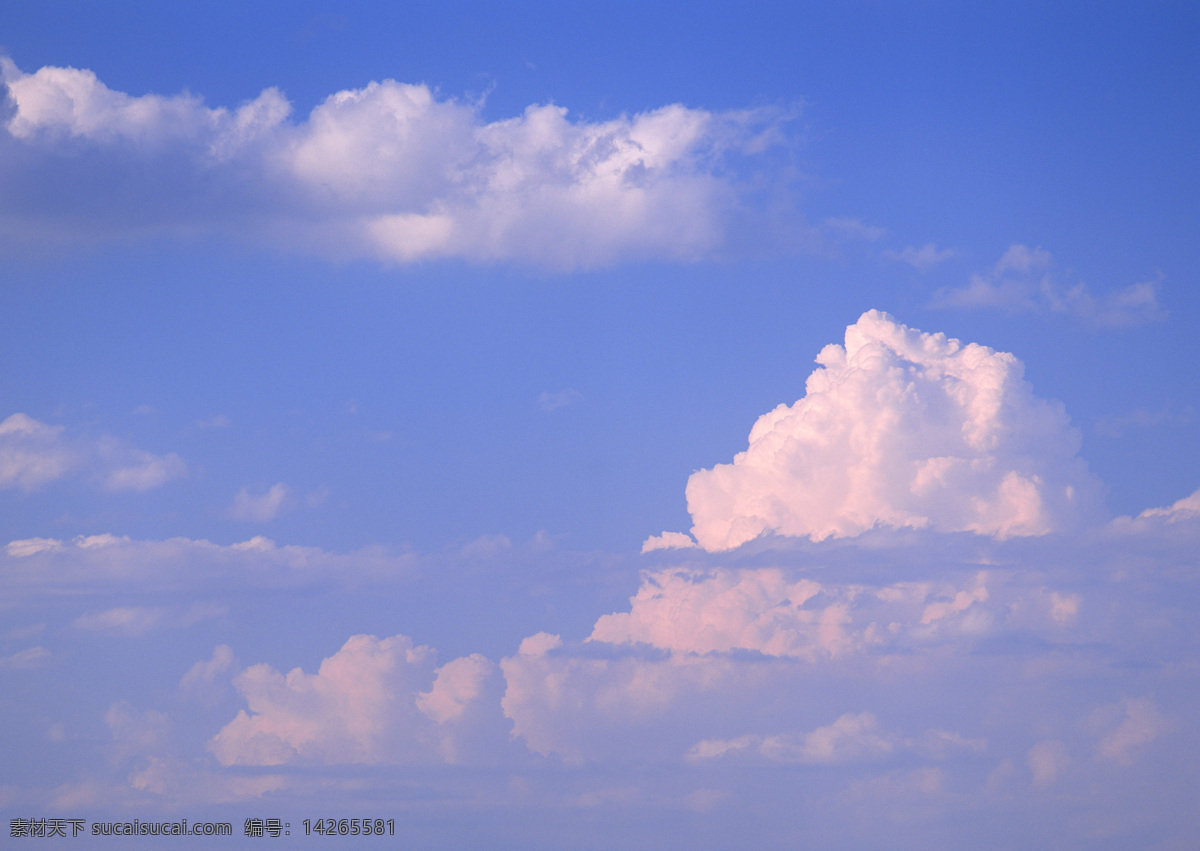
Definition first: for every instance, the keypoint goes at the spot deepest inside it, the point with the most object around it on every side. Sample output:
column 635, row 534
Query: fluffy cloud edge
column 34, row 454
column 900, row 428
column 393, row 172
column 1027, row 280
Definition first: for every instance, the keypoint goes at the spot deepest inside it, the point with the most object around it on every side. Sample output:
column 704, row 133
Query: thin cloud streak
column 1026, row 280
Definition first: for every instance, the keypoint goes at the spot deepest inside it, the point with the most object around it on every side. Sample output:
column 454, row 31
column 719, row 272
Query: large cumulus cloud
column 906, row 429
column 391, row 171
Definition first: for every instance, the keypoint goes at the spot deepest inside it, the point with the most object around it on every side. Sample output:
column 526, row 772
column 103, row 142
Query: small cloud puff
column 262, row 507
column 202, row 676
column 33, row 454
column 667, row 541
column 905, row 429
column 850, row 228
column 922, row 259
column 374, row 701
column 1138, row 723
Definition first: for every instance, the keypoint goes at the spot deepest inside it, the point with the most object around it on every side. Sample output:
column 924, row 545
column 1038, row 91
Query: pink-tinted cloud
column 900, row 428
column 374, row 701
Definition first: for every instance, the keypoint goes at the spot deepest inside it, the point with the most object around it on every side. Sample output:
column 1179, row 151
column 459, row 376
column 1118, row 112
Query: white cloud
column 753, row 609
column 1026, row 280
column 1187, row 508
column 33, row 454
column 129, row 620
column 1020, row 258
column 455, row 686
column 922, row 259
column 36, row 567
column 668, row 541
column 906, row 429
column 261, row 507
column 129, row 469
column 852, row 228
column 392, row 171
column 900, row 668
column 202, row 677
column 663, row 675
column 73, row 102
column 374, row 701
column 995, row 638
column 30, row 657
column 582, row 706
column 32, row 546
column 851, row 738
column 784, row 613
column 140, row 620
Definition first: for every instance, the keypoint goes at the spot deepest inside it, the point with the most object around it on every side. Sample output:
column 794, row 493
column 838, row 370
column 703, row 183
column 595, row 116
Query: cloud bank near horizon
column 924, row 634
column 390, row 171
column 1037, row 648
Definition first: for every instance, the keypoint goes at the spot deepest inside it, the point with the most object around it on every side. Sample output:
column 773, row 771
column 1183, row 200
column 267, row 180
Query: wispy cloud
column 137, row 621
column 851, row 738
column 215, row 421
column 203, row 674
column 847, row 227
column 98, row 563
column 1028, row 280
column 259, row 508
column 1118, row 425
column 922, row 259
column 31, row 657
column 34, row 454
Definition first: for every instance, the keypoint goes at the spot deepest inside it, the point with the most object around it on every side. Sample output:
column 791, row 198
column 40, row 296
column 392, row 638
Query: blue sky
column 624, row 421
